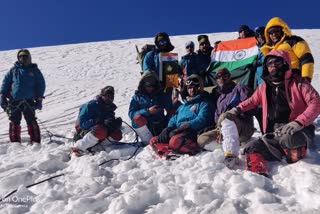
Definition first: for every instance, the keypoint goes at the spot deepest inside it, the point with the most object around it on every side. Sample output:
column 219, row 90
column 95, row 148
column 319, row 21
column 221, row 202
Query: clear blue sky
column 34, row 23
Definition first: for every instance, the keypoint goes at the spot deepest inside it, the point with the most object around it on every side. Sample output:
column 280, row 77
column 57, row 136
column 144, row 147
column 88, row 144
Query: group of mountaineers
column 193, row 117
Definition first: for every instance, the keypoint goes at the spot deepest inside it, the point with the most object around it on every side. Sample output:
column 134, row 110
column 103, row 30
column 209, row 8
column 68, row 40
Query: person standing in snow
column 204, row 57
column 231, row 94
column 278, row 37
column 289, row 106
column 189, row 62
column 96, row 121
column 245, row 32
column 21, row 93
column 259, row 35
column 148, row 106
column 191, row 117
column 151, row 60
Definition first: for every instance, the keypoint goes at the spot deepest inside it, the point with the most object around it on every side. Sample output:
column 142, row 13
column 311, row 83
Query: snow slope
column 145, row 183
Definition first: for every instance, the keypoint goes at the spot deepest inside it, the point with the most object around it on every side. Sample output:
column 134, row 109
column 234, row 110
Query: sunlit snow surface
column 145, row 183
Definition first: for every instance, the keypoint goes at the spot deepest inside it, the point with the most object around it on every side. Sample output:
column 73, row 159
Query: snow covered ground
column 145, row 183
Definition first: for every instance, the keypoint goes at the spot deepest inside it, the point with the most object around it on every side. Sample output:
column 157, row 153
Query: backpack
column 141, row 54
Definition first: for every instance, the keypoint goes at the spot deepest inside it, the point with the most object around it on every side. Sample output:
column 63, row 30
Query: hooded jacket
column 23, row 82
column 141, row 101
column 197, row 111
column 298, row 49
column 95, row 111
column 151, row 59
column 303, row 99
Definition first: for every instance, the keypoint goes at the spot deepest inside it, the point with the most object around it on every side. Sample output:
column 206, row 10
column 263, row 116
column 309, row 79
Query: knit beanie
column 108, row 90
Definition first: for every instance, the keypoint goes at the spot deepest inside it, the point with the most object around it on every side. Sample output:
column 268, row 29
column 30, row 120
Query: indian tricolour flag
column 239, row 57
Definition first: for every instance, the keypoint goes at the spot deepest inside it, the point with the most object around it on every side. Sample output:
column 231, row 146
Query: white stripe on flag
column 234, row 55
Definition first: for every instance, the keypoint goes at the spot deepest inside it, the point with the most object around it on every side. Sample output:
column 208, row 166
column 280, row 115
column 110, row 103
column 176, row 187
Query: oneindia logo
column 16, row 201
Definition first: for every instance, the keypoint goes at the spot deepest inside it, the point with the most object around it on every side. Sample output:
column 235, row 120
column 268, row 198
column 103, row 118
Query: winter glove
column 3, row 102
column 230, row 115
column 113, row 124
column 289, row 128
column 164, row 137
column 180, row 129
column 38, row 104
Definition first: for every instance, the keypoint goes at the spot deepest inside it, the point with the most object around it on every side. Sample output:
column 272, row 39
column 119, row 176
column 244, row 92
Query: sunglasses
column 150, row 86
column 162, row 42
column 23, row 56
column 275, row 62
column 276, row 31
column 192, row 82
column 189, row 46
column 222, row 76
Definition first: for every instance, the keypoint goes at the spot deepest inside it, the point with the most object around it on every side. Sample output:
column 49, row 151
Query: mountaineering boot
column 34, row 132
column 230, row 161
column 144, row 134
column 14, row 132
column 89, row 140
column 255, row 162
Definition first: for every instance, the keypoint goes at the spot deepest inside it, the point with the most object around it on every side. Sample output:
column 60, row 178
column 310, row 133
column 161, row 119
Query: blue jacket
column 23, row 82
column 95, row 111
column 190, row 64
column 259, row 68
column 198, row 112
column 140, row 102
column 151, row 61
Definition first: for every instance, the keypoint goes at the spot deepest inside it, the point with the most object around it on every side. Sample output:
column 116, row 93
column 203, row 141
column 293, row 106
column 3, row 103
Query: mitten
column 164, row 135
column 3, row 102
column 113, row 124
column 38, row 104
column 180, row 129
column 231, row 115
column 289, row 128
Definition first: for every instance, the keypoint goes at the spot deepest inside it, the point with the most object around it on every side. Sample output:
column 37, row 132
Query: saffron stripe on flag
column 236, row 44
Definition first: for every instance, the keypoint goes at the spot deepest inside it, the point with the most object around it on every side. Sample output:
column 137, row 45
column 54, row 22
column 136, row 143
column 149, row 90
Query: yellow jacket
column 298, row 48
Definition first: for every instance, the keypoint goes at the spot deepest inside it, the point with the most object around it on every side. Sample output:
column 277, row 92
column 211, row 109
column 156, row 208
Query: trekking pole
column 31, row 185
column 50, row 134
column 136, row 141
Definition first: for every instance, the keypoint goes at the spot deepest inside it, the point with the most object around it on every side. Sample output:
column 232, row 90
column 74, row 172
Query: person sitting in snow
column 96, row 121
column 148, row 106
column 231, row 94
column 190, row 118
column 289, row 106
column 22, row 92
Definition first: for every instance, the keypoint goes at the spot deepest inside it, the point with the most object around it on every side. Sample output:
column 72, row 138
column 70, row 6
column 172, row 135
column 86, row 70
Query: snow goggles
column 275, row 62
column 192, row 82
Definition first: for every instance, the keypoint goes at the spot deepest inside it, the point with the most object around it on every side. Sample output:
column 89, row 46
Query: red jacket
column 303, row 99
